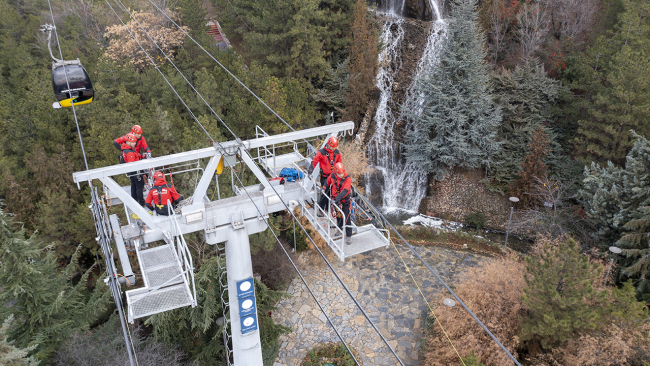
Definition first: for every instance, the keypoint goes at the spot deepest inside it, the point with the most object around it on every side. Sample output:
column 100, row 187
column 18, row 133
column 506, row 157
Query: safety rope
column 426, row 301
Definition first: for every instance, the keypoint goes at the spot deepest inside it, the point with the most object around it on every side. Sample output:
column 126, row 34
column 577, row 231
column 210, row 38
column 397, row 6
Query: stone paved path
column 381, row 284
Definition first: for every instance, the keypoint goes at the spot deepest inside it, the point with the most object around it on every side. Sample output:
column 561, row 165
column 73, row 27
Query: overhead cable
column 230, row 167
column 110, row 269
column 447, row 287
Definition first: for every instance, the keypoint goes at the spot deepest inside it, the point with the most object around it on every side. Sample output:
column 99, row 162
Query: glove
column 311, row 169
column 148, row 154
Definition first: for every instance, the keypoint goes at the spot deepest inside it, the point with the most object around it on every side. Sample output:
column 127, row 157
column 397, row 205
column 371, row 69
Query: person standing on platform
column 339, row 187
column 130, row 155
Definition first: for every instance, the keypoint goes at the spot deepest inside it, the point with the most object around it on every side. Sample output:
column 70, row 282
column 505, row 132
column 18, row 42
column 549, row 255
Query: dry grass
column 493, row 292
column 356, row 162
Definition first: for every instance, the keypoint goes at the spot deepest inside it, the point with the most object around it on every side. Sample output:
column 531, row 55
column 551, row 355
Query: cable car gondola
column 81, row 89
column 76, row 88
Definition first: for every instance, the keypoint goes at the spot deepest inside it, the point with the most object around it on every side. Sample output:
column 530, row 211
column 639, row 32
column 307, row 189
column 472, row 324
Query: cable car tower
column 163, row 256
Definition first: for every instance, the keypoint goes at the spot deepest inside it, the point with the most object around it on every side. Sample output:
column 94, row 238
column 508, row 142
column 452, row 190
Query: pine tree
column 612, row 195
column 532, row 167
column 47, row 306
column 9, row 354
column 363, row 64
column 457, row 123
column 527, row 97
column 293, row 38
column 636, row 247
column 559, row 295
column 614, row 76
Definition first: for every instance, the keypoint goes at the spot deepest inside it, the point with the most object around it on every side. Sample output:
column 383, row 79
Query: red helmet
column 158, row 175
column 339, row 168
column 130, row 137
column 136, row 129
column 333, row 142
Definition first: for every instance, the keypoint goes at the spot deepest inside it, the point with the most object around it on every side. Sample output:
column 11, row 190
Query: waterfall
column 402, row 184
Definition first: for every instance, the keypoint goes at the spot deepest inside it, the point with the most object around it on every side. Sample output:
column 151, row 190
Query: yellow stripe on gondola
column 67, row 103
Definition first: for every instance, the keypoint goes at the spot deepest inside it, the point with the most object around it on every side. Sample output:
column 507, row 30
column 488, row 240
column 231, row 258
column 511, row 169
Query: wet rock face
column 415, row 9
column 418, row 9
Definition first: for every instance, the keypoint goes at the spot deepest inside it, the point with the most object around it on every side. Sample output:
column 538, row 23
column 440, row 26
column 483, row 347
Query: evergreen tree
column 614, row 77
column 612, row 196
column 527, row 97
column 457, row 123
column 532, row 167
column 363, row 64
column 330, row 95
column 47, row 306
column 293, row 38
column 9, row 354
column 636, row 247
column 559, row 295
column 561, row 299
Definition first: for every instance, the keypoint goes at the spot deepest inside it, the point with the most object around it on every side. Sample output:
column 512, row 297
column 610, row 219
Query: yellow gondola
column 81, row 89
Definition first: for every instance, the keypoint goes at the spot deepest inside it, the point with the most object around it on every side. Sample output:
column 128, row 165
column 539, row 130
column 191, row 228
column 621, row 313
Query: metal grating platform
column 161, row 300
column 158, row 276
column 365, row 240
column 158, row 256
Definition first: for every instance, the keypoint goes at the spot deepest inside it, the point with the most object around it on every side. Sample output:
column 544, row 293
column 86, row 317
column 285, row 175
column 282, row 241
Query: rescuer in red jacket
column 130, row 155
column 327, row 158
column 339, row 187
column 140, row 144
column 160, row 193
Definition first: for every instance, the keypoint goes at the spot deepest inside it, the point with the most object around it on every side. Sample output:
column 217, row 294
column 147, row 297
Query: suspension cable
column 224, row 68
column 238, row 179
column 124, row 8
column 447, row 287
column 67, row 82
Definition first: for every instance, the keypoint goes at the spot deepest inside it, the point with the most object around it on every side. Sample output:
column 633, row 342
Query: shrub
column 105, row 347
column 471, row 360
column 493, row 292
column 334, row 353
column 476, row 218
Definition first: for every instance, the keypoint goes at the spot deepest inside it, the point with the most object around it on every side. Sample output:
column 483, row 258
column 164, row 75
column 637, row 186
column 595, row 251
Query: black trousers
column 345, row 207
column 137, row 187
column 323, row 199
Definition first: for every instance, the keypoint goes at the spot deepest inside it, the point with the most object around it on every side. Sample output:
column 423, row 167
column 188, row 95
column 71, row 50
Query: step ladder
column 168, row 276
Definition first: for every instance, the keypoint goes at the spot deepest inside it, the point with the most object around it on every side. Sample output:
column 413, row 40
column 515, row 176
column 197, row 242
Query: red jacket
column 129, row 155
column 160, row 193
column 140, row 146
column 340, row 188
column 327, row 159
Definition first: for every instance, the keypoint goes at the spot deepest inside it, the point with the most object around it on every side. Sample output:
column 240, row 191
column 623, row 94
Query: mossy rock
column 330, row 354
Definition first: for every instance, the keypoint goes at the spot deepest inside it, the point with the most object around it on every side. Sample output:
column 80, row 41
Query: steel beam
column 204, row 183
column 254, row 168
column 130, row 202
column 127, row 272
column 229, row 146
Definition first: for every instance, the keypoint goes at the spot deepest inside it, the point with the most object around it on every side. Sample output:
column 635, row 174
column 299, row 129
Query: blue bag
column 291, row 175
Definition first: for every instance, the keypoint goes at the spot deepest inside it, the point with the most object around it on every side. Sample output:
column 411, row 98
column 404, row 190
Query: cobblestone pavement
column 383, row 287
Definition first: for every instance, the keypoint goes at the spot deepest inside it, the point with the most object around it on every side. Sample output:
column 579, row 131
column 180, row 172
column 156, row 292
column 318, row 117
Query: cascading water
column 402, row 184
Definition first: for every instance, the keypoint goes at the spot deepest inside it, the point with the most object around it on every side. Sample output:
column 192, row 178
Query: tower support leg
column 247, row 348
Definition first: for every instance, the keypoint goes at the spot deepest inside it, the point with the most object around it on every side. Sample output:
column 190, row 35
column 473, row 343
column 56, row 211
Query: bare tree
column 106, row 347
column 571, row 18
column 499, row 24
column 533, row 25
column 557, row 216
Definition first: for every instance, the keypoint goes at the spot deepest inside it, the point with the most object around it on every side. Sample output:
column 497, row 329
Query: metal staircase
column 168, row 276
column 364, row 238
